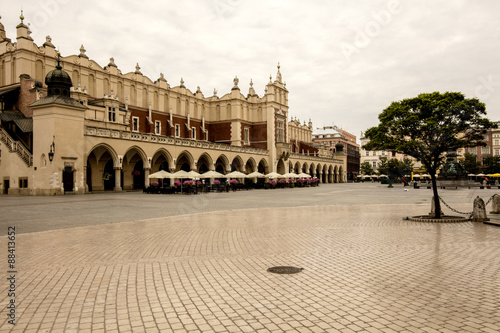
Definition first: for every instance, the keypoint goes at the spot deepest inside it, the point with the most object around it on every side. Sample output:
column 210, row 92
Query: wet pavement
column 134, row 262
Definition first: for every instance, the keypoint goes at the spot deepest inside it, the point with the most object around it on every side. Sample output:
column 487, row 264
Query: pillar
column 118, row 178
column 146, row 177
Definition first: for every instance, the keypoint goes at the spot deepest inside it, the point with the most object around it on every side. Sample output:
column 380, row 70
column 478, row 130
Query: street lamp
column 52, row 150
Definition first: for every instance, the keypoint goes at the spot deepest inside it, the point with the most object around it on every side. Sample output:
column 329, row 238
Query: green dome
column 58, row 82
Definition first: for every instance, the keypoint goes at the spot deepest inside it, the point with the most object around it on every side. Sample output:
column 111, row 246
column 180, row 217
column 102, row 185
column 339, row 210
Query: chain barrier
column 452, row 209
column 489, row 200
column 458, row 212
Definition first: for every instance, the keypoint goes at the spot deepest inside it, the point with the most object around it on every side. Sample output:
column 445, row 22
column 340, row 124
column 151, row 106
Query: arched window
column 91, row 90
column 39, row 70
column 75, row 78
column 106, row 87
column 166, row 107
column 133, row 95
column 120, row 90
column 155, row 100
column 145, row 99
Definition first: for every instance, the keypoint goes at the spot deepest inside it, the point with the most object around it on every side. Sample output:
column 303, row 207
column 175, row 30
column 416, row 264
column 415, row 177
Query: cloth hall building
column 69, row 124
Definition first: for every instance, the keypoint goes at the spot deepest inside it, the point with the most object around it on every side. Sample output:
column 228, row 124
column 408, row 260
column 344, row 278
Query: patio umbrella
column 212, row 174
column 160, row 174
column 471, row 175
column 304, row 175
column 179, row 174
column 274, row 175
column 383, row 176
column 496, row 175
column 291, row 175
column 426, row 175
column 236, row 174
column 256, row 174
column 416, row 176
column 480, row 175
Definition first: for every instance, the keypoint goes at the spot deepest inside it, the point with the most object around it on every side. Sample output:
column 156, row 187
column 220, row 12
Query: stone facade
column 331, row 136
column 118, row 127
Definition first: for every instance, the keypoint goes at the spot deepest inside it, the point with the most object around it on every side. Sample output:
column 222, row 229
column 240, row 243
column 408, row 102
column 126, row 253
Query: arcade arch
column 100, row 168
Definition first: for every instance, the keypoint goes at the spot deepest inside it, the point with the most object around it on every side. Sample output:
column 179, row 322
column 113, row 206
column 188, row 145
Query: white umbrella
column 290, row 175
column 212, row 174
column 274, row 175
column 185, row 174
column 480, row 175
column 471, row 175
column 193, row 174
column 236, row 174
column 160, row 174
column 304, row 175
column 383, row 176
column 256, row 174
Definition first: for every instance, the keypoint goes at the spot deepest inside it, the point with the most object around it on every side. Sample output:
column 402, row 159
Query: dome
column 58, row 82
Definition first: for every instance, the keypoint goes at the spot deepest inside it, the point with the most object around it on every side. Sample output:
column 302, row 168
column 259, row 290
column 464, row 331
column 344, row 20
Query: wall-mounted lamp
column 52, row 150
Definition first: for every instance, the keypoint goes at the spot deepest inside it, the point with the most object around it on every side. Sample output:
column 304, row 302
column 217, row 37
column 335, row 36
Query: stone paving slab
column 365, row 270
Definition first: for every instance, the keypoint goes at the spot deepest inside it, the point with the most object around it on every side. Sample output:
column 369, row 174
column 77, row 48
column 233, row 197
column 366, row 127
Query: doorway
column 68, row 179
column 6, row 185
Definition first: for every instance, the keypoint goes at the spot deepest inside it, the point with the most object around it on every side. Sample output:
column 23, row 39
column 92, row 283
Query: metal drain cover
column 284, row 270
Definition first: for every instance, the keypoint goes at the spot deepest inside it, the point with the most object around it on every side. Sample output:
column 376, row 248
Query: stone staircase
column 16, row 147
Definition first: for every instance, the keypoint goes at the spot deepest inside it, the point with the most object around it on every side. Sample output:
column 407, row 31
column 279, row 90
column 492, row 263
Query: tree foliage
column 366, row 168
column 427, row 126
column 491, row 164
column 395, row 168
column 470, row 163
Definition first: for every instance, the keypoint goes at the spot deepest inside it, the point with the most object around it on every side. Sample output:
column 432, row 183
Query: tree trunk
column 437, row 205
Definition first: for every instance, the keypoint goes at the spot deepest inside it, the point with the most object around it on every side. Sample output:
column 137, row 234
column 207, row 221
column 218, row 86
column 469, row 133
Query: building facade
column 374, row 156
column 110, row 129
column 331, row 136
column 492, row 148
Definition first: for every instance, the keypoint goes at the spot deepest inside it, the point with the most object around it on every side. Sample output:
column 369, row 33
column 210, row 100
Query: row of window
column 177, row 132
column 484, row 150
column 374, row 153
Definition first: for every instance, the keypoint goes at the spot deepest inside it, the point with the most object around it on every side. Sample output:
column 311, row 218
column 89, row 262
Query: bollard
column 479, row 211
column 495, row 202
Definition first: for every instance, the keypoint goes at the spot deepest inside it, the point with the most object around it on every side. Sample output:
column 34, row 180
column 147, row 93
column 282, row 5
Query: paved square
column 134, row 262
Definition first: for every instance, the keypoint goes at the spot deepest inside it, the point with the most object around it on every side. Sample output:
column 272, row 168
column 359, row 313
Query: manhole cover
column 285, row 270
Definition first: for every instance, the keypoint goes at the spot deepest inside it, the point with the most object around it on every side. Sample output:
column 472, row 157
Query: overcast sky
column 343, row 61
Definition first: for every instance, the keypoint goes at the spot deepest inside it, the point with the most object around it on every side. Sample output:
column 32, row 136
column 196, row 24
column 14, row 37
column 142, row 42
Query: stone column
column 146, row 177
column 117, row 179
column 479, row 211
column 496, row 204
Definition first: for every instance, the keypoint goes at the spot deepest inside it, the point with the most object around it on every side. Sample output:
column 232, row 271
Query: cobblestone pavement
column 133, row 262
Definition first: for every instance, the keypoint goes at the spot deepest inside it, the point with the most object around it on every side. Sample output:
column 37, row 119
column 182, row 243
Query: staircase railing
column 16, row 147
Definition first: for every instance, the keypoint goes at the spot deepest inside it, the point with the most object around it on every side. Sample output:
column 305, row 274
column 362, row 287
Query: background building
column 373, row 156
column 331, row 136
column 492, row 148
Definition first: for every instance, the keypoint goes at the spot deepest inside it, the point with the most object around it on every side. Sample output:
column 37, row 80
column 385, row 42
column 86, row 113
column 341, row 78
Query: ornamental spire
column 278, row 75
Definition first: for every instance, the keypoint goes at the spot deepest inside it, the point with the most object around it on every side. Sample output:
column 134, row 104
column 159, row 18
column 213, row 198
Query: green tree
column 366, row 168
column 470, row 163
column 407, row 166
column 491, row 164
column 427, row 126
column 383, row 166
